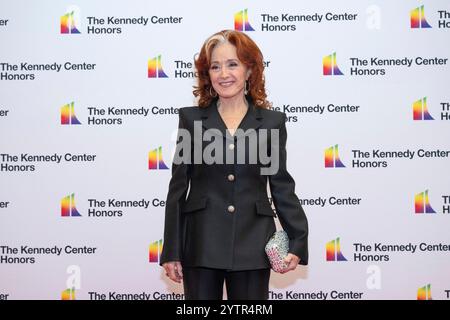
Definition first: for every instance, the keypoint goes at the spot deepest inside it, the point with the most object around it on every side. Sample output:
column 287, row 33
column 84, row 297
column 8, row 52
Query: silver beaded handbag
column 277, row 249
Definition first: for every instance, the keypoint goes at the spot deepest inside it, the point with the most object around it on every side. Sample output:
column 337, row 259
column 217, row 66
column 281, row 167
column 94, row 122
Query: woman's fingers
column 291, row 261
column 179, row 269
column 173, row 271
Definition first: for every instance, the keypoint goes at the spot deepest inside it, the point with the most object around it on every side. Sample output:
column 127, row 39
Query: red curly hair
column 248, row 53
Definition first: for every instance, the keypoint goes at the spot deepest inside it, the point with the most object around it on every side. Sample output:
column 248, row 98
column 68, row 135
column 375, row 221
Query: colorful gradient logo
column 420, row 110
column 424, row 293
column 155, row 69
column 333, row 249
column 241, row 21
column 418, row 18
column 154, row 251
column 68, row 208
column 332, row 159
column 155, row 160
column 68, row 114
column 68, row 294
column 422, row 203
column 69, row 21
column 330, row 67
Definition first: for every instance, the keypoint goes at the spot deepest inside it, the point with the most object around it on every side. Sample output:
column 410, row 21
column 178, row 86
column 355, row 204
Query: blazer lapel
column 211, row 119
column 252, row 120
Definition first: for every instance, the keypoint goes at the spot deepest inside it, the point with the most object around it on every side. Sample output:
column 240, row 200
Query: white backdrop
column 391, row 251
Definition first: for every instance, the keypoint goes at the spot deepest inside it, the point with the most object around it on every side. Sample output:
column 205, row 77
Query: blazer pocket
column 263, row 208
column 194, row 205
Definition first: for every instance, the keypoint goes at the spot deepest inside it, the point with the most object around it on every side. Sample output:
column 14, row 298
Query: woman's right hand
column 174, row 270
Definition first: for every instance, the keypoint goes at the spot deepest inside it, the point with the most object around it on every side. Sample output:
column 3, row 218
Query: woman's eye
column 233, row 64
column 214, row 67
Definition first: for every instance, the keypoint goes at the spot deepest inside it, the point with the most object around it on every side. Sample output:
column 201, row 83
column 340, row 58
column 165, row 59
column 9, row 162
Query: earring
column 211, row 94
column 246, row 87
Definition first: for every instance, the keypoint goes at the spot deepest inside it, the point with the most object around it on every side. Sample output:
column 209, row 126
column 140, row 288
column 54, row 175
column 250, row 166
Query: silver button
column 231, row 146
column 231, row 177
column 231, row 209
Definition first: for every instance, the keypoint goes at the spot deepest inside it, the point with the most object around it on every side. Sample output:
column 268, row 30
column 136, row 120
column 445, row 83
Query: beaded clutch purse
column 277, row 249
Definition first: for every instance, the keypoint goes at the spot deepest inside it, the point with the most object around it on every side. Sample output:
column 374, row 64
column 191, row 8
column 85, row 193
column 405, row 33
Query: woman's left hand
column 291, row 261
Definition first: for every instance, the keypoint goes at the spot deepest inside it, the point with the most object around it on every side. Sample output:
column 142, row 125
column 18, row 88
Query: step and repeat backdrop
column 89, row 99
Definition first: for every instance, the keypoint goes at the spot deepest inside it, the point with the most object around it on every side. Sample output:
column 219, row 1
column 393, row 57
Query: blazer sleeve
column 288, row 207
column 178, row 186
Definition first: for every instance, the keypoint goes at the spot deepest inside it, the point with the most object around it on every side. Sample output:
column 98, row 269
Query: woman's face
column 227, row 73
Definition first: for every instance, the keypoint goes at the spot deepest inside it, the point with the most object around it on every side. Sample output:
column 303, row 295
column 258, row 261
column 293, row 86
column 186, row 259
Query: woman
column 219, row 232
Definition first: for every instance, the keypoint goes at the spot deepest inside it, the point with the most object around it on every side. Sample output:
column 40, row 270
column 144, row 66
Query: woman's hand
column 174, row 270
column 291, row 261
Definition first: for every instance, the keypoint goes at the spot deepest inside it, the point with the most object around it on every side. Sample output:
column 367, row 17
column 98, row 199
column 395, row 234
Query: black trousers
column 207, row 284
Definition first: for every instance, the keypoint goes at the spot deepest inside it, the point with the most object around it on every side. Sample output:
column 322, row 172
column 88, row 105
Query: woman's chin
column 229, row 94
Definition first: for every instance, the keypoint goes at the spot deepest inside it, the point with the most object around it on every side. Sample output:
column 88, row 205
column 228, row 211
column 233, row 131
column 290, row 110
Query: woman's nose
column 223, row 72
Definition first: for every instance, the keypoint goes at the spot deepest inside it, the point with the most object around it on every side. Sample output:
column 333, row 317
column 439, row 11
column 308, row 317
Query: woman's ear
column 249, row 72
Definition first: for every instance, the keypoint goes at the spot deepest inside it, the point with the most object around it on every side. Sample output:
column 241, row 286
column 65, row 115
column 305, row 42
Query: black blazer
column 227, row 219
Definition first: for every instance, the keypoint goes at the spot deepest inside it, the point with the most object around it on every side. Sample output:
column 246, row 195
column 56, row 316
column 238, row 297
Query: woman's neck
column 232, row 105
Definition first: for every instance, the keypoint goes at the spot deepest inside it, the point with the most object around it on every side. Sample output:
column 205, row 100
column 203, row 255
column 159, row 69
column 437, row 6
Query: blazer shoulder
column 191, row 112
column 277, row 117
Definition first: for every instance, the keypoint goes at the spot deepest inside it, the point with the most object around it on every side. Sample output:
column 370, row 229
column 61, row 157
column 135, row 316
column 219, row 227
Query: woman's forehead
column 224, row 50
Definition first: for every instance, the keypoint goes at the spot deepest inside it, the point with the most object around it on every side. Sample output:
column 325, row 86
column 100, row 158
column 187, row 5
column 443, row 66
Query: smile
column 226, row 83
